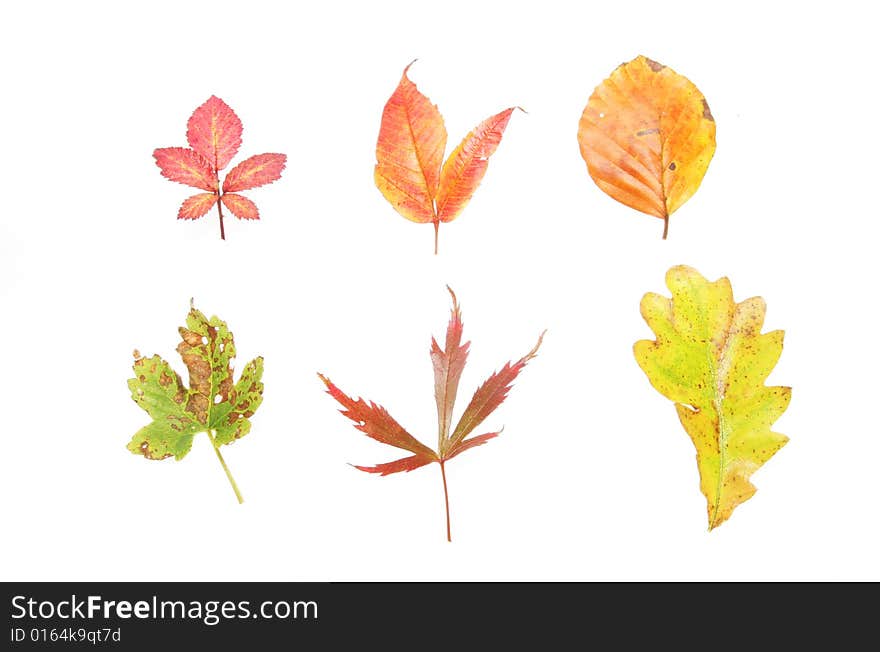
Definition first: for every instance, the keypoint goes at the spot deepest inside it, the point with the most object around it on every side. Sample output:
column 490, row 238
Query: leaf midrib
column 719, row 382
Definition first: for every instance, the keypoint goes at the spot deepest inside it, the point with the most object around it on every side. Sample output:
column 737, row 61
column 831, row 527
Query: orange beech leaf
column 240, row 206
column 647, row 136
column 465, row 167
column 375, row 422
column 196, row 206
column 185, row 166
column 410, row 172
column 214, row 131
column 254, row 172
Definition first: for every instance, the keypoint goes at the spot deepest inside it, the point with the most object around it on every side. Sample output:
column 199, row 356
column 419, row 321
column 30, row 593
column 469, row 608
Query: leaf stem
column 665, row 226
column 436, row 234
column 222, row 232
column 446, row 498
column 226, row 468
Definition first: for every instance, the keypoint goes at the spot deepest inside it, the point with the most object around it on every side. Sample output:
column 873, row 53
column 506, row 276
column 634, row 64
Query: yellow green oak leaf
column 711, row 359
column 212, row 404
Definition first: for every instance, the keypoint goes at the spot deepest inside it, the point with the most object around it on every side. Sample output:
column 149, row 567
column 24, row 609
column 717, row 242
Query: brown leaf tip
column 706, row 112
column 137, row 354
column 534, row 352
column 654, row 65
column 454, row 299
column 408, row 66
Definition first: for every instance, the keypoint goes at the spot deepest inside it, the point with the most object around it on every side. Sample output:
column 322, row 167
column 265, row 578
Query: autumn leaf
column 212, row 404
column 214, row 136
column 374, row 421
column 410, row 172
column 711, row 359
column 647, row 136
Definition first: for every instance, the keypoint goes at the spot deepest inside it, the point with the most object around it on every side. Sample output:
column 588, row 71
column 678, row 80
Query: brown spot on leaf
column 672, row 166
column 145, row 450
column 653, row 65
column 706, row 112
column 190, row 337
column 646, row 132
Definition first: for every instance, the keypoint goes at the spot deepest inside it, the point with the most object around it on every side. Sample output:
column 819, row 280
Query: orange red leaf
column 489, row 396
column 197, row 206
column 185, row 166
column 409, row 152
column 410, row 172
column 374, row 421
column 240, row 206
column 467, row 444
column 465, row 167
column 448, row 367
column 214, row 131
column 647, row 136
column 406, row 464
column 254, row 172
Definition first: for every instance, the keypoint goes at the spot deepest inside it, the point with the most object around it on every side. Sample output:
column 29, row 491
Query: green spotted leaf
column 212, row 403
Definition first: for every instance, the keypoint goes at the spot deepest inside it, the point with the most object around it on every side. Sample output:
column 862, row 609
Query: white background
column 593, row 477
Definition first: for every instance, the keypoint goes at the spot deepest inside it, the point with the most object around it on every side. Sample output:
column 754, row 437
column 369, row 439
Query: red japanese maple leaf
column 374, row 421
column 214, row 135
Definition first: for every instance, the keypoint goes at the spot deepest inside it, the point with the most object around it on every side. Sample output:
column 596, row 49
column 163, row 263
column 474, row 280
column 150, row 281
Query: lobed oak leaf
column 214, row 133
column 711, row 359
column 410, row 172
column 374, row 421
column 212, row 404
column 647, row 136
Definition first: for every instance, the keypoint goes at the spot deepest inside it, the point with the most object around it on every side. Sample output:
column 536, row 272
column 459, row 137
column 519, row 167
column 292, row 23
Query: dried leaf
column 375, row 422
column 409, row 152
column 214, row 132
column 212, row 404
column 465, row 167
column 254, row 172
column 647, row 136
column 711, row 359
column 185, row 166
column 240, row 206
column 196, row 206
column 410, row 172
